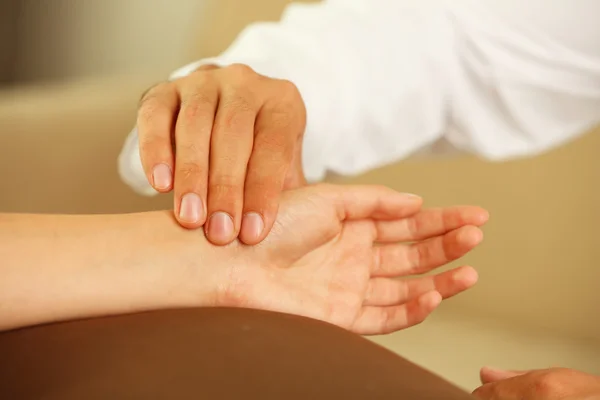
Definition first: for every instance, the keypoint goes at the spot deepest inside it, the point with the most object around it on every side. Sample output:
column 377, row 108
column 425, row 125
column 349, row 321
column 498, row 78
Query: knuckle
column 378, row 256
column 548, row 384
column 188, row 170
column 188, row 150
column 421, row 255
column 199, row 77
column 386, row 322
column 241, row 72
column 198, row 105
column 240, row 101
column 154, row 92
column 225, row 184
column 287, row 98
column 190, row 112
column 227, row 194
column 200, row 97
column 413, row 226
column 153, row 120
column 238, row 116
column 202, row 74
column 289, row 91
column 149, row 109
column 288, row 86
column 208, row 67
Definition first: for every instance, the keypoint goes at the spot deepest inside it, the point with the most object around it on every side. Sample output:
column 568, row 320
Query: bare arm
column 57, row 267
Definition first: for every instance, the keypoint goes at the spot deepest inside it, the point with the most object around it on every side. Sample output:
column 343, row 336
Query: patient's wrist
column 196, row 272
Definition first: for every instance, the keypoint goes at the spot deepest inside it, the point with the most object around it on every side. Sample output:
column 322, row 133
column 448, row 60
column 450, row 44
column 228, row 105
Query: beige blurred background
column 72, row 71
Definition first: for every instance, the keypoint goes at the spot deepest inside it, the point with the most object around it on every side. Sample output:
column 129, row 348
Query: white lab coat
column 385, row 79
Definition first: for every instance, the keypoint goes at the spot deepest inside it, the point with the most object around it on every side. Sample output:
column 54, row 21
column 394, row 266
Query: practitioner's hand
column 340, row 254
column 227, row 141
column 545, row 384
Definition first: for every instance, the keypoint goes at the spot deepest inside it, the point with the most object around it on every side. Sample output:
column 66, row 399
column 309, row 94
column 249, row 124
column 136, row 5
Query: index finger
column 355, row 202
column 430, row 223
column 489, row 375
column 155, row 122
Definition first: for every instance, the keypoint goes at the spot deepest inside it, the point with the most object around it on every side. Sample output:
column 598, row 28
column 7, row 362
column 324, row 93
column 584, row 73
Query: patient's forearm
column 57, row 267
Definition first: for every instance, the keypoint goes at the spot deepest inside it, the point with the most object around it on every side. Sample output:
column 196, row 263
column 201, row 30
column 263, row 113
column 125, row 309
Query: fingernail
column 252, row 226
column 466, row 275
column 161, row 176
column 484, row 217
column 191, row 208
column 412, row 195
column 220, row 227
column 493, row 369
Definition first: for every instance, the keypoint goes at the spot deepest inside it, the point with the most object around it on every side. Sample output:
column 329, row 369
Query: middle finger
column 231, row 146
column 393, row 260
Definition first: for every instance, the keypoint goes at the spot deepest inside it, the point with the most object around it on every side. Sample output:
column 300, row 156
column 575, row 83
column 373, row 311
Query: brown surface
column 207, row 354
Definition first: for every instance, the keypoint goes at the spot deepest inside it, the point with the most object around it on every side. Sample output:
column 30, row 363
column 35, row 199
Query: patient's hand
column 320, row 260
column 341, row 254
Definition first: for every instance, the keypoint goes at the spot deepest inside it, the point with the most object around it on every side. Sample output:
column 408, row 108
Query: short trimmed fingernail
column 191, row 208
column 467, row 275
column 412, row 195
column 162, row 176
column 493, row 369
column 252, row 226
column 220, row 227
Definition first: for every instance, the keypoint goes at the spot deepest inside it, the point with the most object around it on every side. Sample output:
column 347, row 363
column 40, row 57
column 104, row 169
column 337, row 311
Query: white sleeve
column 526, row 75
column 385, row 79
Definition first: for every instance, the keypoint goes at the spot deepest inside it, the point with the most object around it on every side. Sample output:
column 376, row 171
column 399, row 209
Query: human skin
column 227, row 141
column 335, row 254
column 543, row 384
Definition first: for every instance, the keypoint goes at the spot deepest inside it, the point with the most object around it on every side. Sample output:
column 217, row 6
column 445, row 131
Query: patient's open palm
column 336, row 253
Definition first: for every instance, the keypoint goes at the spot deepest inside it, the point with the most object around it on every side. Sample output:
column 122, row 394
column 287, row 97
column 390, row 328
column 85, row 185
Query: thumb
column 489, row 374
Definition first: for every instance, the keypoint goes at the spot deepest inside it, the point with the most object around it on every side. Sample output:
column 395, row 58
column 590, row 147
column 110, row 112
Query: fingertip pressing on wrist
column 253, row 228
column 190, row 211
column 220, row 228
column 162, row 178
